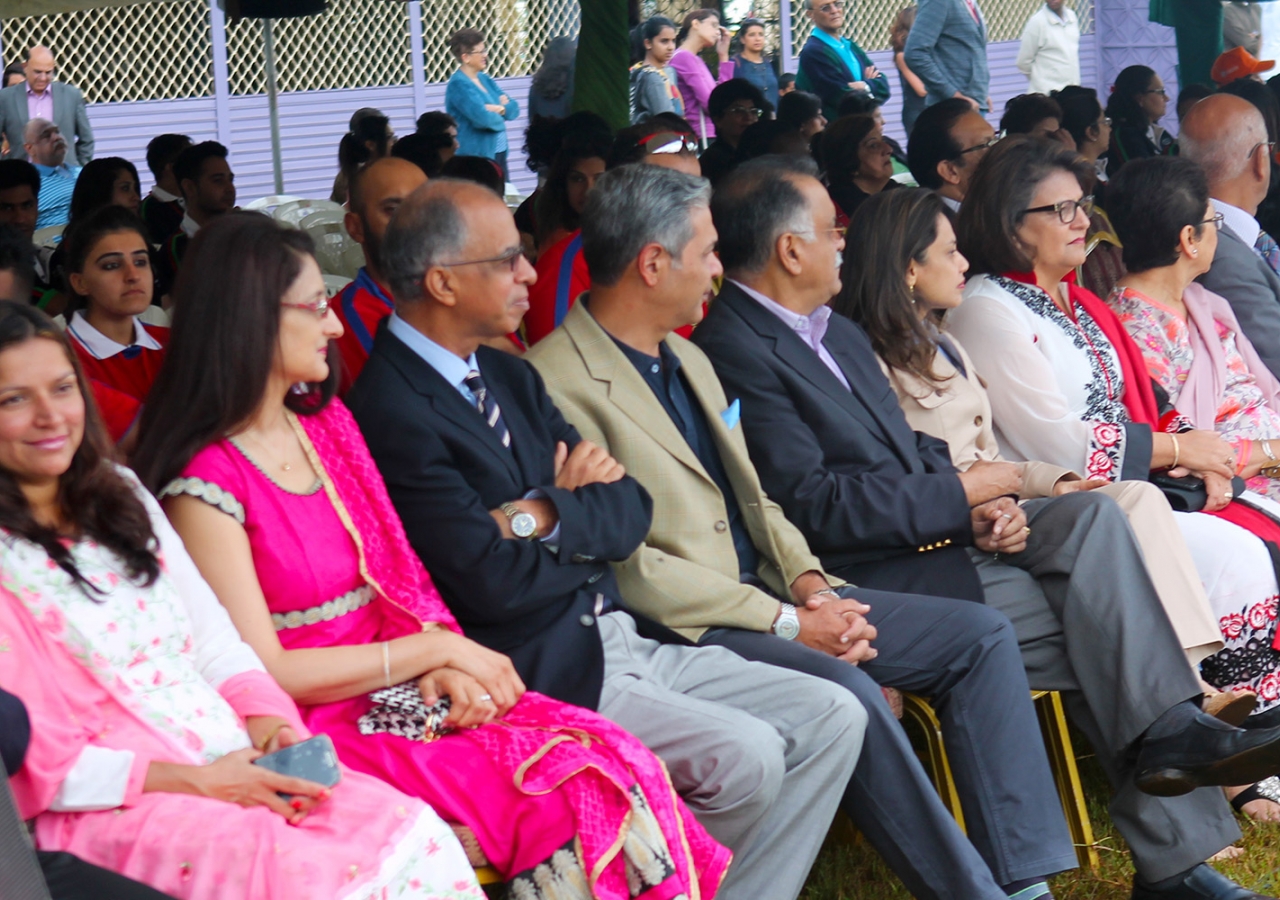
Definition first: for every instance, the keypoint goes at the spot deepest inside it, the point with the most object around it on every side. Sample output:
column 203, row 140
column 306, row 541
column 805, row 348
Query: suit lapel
column 447, row 401
column 628, row 391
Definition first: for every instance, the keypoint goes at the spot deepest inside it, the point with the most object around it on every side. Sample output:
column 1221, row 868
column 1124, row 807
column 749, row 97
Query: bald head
column 39, row 68
column 1227, row 136
column 376, row 193
column 44, row 143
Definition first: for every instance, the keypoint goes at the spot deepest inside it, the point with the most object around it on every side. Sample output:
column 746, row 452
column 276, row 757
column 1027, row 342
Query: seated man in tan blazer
column 724, row 566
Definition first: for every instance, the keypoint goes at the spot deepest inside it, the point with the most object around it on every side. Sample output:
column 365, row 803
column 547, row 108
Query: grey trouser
column 1090, row 624
column 760, row 754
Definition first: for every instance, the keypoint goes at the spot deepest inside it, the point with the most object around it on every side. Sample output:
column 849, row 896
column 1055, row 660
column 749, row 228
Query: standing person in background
column 751, row 63
column 162, row 208
column 42, row 97
column 786, row 84
column 476, row 102
column 947, row 48
column 369, row 137
column 1138, row 103
column 1050, row 51
column 701, row 30
column 551, row 93
column 913, row 89
column 831, row 65
column 653, row 81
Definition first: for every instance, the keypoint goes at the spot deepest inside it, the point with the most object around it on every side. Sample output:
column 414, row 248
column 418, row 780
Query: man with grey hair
column 41, row 97
column 518, row 520
column 1228, row 138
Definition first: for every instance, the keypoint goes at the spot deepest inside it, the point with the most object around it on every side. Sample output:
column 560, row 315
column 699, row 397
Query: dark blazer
column 1253, row 290
column 15, row 732
column 880, row 504
column 445, row 468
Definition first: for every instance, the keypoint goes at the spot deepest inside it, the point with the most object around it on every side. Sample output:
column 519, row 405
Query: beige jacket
column 685, row 574
column 958, row 412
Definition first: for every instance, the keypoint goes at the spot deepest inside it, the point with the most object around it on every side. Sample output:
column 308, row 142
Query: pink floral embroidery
column 1269, row 687
column 1258, row 617
column 53, row 620
column 1100, row 465
column 1106, row 434
column 1232, row 626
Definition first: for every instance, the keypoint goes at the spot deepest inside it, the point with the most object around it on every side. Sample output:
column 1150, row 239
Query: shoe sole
column 1247, row 767
column 1234, row 711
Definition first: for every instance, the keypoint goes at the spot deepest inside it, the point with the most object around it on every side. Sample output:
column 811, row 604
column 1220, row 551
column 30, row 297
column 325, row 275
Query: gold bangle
column 386, row 662
column 271, row 736
column 1176, row 453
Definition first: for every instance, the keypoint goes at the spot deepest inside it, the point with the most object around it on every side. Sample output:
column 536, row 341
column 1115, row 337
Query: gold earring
column 911, row 288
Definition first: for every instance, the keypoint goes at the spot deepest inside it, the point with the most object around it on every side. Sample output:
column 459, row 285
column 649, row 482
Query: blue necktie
column 487, row 406
column 1269, row 250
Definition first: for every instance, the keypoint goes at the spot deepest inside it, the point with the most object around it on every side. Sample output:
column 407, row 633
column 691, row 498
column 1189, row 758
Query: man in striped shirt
column 47, row 150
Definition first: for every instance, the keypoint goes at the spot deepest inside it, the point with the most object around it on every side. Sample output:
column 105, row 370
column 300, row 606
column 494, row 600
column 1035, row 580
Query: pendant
column 285, row 466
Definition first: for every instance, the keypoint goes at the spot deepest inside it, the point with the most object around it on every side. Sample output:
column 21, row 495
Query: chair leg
column 1062, row 760
column 919, row 711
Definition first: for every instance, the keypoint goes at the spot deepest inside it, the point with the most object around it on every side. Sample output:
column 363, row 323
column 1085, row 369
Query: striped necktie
column 487, row 406
column 19, row 871
column 1269, row 250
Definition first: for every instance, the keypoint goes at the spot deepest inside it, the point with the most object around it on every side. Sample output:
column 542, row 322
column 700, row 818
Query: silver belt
column 325, row 612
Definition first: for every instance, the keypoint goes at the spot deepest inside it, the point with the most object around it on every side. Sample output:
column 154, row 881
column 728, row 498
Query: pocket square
column 731, row 415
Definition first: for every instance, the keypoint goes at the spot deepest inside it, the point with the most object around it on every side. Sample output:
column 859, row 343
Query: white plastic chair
column 267, row 204
column 295, row 211
column 323, row 217
column 335, row 249
column 335, row 283
column 48, row 237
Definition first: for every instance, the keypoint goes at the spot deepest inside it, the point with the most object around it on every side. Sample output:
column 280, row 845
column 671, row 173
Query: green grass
column 848, row 869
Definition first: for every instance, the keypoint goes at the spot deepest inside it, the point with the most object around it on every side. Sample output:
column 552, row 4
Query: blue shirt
column 452, row 367
column 662, row 374
column 56, row 187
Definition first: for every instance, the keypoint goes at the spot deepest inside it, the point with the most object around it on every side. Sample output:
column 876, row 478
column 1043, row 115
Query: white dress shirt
column 1050, row 51
column 1244, row 225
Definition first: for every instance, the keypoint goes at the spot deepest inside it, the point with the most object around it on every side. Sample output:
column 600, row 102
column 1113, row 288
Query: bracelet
column 386, row 662
column 1176, row 452
column 828, row 590
column 271, row 736
column 1266, row 448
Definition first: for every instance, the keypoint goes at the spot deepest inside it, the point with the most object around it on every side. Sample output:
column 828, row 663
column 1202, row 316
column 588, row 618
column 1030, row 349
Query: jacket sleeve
column 1252, row 295
column 880, row 84
column 511, row 109
column 922, row 46
column 829, row 81
column 463, row 101
column 84, row 131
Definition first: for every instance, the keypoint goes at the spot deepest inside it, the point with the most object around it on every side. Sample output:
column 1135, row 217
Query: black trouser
column 71, row 878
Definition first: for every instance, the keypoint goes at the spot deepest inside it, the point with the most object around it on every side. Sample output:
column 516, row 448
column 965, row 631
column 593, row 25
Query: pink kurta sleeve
column 696, row 85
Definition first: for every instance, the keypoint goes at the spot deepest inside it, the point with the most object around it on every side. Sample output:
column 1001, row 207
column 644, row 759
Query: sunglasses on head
column 669, row 142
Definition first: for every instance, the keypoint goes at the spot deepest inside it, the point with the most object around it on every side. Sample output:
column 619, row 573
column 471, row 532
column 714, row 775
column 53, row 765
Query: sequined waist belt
column 325, row 612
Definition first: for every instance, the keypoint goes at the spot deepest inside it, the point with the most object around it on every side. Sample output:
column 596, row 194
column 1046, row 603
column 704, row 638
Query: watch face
column 787, row 627
column 524, row 525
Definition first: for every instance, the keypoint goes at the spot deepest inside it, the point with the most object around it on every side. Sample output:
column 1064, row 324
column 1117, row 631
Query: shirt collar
column 189, row 225
column 64, row 170
column 164, row 196
column 1245, row 226
column 453, row 368
column 103, row 347
column 32, row 93
column 812, row 327
column 954, row 205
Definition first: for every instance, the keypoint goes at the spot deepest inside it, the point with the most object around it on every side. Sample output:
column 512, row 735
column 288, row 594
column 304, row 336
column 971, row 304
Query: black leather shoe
column 1204, row 883
column 1206, row 752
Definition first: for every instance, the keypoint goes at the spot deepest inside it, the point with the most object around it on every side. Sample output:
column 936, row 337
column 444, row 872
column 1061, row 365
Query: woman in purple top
column 701, row 29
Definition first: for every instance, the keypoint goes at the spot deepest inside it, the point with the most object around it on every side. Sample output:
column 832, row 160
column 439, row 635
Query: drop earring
column 911, row 288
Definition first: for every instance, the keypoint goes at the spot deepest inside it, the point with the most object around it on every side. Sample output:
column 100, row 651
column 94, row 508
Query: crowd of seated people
column 593, row 537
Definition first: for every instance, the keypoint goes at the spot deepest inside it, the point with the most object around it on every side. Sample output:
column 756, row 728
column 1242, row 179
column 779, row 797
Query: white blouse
column 1054, row 382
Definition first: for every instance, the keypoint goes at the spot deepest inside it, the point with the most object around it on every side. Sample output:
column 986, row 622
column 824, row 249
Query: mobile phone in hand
column 313, row 760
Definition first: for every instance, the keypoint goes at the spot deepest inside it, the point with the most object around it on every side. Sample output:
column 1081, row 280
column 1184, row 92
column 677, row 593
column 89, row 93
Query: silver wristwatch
column 523, row 524
column 787, row 626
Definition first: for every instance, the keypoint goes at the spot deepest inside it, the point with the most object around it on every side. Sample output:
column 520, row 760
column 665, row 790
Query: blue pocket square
column 731, row 415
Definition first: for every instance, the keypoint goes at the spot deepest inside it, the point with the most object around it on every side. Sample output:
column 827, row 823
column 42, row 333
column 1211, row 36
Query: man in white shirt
column 1050, row 51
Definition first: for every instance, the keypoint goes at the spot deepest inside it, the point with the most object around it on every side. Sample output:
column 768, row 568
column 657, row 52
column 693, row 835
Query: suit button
column 594, row 578
column 977, row 420
column 587, row 619
column 722, row 526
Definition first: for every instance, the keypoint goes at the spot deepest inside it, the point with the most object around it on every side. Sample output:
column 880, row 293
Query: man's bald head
column 432, row 227
column 376, row 193
column 1223, row 133
column 44, row 143
column 39, row 68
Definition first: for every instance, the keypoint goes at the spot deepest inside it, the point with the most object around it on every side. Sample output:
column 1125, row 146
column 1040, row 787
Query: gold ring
column 1027, row 528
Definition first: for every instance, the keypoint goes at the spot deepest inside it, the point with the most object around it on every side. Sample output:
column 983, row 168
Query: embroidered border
column 325, row 612
column 207, row 491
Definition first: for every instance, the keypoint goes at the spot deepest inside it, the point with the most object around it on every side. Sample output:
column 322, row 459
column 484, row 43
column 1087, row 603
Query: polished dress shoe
column 1206, row 752
column 1203, row 883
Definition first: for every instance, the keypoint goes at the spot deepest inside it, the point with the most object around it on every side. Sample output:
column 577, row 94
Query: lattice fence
column 516, row 32
column 149, row 51
column 356, row 43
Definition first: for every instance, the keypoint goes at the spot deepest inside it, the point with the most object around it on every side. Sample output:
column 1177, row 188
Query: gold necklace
column 284, row 466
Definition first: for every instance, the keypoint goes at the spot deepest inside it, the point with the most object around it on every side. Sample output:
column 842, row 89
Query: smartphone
column 313, row 759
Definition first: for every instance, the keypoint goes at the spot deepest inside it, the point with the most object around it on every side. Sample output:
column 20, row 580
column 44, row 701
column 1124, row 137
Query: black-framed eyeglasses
column 1066, row 209
column 1161, row 91
column 985, row 145
column 1217, row 220
column 1270, row 145
column 745, row 111
column 511, row 258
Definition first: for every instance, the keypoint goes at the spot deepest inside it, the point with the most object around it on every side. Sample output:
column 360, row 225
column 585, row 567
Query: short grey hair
column 33, row 129
column 633, row 206
column 756, row 204
column 1224, row 155
column 425, row 231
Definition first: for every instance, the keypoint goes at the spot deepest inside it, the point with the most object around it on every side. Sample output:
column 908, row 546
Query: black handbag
column 1188, row 494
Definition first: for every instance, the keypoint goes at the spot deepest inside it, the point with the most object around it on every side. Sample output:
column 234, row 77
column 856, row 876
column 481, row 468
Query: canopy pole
column 784, row 36
column 269, row 53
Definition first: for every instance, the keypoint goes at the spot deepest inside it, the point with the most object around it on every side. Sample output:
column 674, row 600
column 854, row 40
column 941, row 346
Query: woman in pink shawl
column 147, row 710
column 271, row 485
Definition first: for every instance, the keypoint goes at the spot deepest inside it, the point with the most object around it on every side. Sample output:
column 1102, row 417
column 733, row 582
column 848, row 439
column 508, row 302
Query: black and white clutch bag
column 400, row 710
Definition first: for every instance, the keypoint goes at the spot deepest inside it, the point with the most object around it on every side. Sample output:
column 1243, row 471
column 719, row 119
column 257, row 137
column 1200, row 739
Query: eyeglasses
column 985, row 145
column 1066, row 209
column 1161, row 91
column 319, row 309
column 1106, row 120
column 1270, row 145
column 833, row 6
column 511, row 258
column 745, row 111
column 1217, row 221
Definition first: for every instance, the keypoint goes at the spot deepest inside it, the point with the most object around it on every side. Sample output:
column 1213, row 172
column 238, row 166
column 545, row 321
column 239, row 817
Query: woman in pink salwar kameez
column 146, row 707
column 288, row 517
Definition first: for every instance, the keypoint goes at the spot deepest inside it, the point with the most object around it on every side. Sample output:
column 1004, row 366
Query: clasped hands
column 999, row 523
column 835, row 625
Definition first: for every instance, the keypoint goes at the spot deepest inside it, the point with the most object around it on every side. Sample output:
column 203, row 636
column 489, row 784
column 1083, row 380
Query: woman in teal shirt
column 476, row 102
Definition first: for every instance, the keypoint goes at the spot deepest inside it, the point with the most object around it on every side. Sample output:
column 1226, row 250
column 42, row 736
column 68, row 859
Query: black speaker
column 272, row 9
